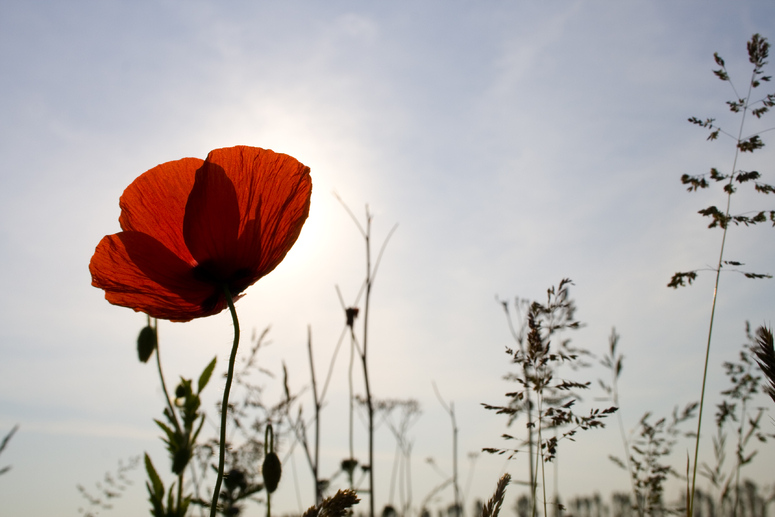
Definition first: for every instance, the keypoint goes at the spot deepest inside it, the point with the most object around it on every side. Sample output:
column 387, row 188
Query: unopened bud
column 272, row 469
column 146, row 343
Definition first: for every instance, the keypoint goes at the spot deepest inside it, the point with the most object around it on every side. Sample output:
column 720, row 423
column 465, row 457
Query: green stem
column 180, row 490
column 350, row 385
column 169, row 402
column 269, row 447
column 161, row 376
column 369, row 404
column 225, row 403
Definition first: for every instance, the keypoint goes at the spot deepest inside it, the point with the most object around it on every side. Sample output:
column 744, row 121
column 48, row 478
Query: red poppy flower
column 192, row 226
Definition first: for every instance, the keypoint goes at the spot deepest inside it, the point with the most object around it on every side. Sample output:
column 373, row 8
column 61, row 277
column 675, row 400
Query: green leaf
column 158, row 486
column 196, row 433
column 206, row 374
column 170, row 433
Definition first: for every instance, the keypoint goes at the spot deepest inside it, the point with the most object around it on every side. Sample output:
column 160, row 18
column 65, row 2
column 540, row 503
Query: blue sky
column 514, row 143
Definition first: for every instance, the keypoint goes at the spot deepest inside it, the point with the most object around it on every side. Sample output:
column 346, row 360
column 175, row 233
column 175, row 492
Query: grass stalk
column 730, row 191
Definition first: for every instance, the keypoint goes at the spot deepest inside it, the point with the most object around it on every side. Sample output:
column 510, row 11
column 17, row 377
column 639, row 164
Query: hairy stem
column 225, row 403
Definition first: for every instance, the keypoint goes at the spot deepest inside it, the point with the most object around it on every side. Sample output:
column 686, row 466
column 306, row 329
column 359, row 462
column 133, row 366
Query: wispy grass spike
column 335, row 506
column 765, row 356
column 493, row 506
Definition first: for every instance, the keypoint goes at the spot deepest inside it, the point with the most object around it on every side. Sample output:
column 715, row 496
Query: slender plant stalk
column 268, row 449
column 318, row 492
column 543, row 475
column 161, row 375
column 739, row 456
column 458, row 504
column 225, row 403
column 352, row 409
column 450, row 409
column 370, row 275
column 625, row 442
column 690, row 506
column 520, row 339
column 155, row 327
column 369, row 404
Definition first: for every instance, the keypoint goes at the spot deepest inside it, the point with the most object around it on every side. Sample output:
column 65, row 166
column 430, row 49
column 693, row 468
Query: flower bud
column 146, row 343
column 272, row 469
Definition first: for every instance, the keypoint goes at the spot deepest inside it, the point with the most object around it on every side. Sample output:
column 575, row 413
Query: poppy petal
column 155, row 204
column 211, row 223
column 273, row 192
column 139, row 272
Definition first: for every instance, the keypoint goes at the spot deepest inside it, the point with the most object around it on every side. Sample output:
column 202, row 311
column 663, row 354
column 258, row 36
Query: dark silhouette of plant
column 299, row 426
column 521, row 308
column 614, row 361
column 552, row 398
column 493, row 506
column 271, row 468
column 4, row 443
column 734, row 409
column 648, row 452
column 765, row 356
column 111, row 488
column 446, row 481
column 587, row 506
column 450, row 409
column 181, row 429
column 362, row 346
column 337, row 505
column 758, row 50
column 249, row 417
column 408, row 411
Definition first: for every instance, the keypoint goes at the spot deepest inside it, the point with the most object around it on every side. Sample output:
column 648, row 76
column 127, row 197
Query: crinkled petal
column 273, row 192
column 139, row 272
column 155, row 204
column 211, row 224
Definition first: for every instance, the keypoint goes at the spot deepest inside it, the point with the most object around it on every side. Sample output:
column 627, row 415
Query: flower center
column 210, row 272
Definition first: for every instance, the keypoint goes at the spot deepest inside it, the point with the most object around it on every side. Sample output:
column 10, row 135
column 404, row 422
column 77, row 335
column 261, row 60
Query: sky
column 513, row 144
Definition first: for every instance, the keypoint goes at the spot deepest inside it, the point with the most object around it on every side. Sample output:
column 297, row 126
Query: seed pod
column 146, row 343
column 272, row 469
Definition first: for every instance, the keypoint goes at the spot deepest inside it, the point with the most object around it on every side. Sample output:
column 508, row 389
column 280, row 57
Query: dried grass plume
column 493, row 506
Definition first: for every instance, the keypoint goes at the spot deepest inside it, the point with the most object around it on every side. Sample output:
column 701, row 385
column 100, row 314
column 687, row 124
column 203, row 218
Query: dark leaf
column 206, row 374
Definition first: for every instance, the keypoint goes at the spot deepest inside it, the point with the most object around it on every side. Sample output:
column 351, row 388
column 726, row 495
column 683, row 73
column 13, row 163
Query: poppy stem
column 225, row 403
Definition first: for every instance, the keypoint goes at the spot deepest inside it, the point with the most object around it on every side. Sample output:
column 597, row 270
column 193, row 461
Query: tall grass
column 743, row 106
